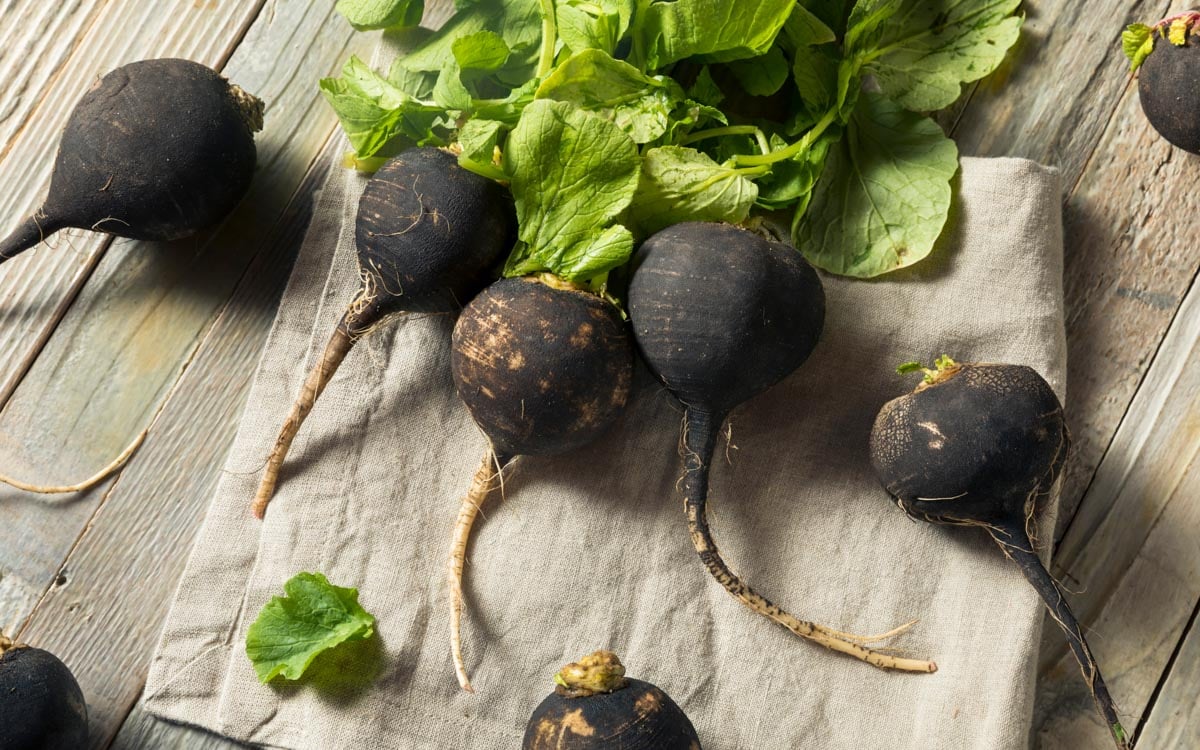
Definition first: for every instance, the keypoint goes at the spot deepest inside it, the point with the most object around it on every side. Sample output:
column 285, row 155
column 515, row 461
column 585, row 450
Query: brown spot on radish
column 575, row 723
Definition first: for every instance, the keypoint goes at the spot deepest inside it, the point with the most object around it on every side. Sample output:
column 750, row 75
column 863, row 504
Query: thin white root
column 86, row 484
column 486, row 480
column 865, row 639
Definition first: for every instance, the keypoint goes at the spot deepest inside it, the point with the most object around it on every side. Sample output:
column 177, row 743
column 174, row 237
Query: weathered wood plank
column 1053, row 103
column 104, row 620
column 1174, row 721
column 119, row 351
column 1131, row 551
column 36, row 289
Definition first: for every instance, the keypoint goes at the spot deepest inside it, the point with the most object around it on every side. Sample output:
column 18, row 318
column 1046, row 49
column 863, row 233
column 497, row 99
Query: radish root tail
column 340, row 343
column 699, row 441
column 487, row 479
column 1052, row 595
column 86, row 484
column 31, row 232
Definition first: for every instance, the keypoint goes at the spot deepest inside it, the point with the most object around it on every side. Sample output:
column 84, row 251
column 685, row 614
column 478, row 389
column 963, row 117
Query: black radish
column 544, row 368
column 594, row 706
column 1167, row 80
column 429, row 235
column 982, row 445
column 155, row 150
column 41, row 705
column 720, row 314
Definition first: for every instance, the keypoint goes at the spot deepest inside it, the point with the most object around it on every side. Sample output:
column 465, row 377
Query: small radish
column 594, row 706
column 428, row 235
column 1167, row 58
column 155, row 150
column 544, row 368
column 41, row 705
column 980, row 445
column 720, row 314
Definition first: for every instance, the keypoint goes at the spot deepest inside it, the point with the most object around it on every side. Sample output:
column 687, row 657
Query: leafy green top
column 1138, row 39
column 611, row 119
column 312, row 616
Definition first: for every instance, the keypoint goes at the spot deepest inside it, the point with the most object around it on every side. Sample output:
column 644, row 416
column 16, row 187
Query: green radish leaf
column 762, row 75
column 450, row 91
column 572, row 173
column 712, row 30
column 517, row 22
column 481, row 51
column 804, row 29
column 312, row 616
column 593, row 24
column 884, row 196
column 639, row 104
column 791, row 182
column 927, row 49
column 815, row 73
column 374, row 113
column 705, row 90
column 366, row 15
column 682, row 184
column 832, row 13
column 1138, row 42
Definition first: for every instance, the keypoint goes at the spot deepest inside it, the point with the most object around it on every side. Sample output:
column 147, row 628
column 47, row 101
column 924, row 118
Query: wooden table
column 99, row 338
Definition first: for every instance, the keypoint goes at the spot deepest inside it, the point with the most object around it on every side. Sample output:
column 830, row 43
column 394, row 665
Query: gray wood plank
column 1053, row 103
column 105, row 619
column 1175, row 719
column 1131, row 552
column 83, row 41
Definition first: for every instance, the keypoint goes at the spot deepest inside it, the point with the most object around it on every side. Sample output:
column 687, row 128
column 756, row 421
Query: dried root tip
column 487, row 479
column 1048, row 588
column 86, row 484
column 335, row 353
column 29, row 233
column 250, row 107
column 699, row 441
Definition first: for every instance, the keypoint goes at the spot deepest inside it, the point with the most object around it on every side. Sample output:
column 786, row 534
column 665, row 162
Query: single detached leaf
column 572, row 173
column 312, row 616
column 366, row 15
column 1138, row 42
column 928, row 48
column 884, row 196
column 713, row 30
column 682, row 184
column 639, row 104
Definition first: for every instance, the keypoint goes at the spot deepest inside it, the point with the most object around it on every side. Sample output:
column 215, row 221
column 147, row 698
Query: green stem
column 549, row 39
column 792, row 151
column 701, row 135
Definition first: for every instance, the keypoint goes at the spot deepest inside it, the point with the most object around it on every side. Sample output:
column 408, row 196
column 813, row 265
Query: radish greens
column 817, row 109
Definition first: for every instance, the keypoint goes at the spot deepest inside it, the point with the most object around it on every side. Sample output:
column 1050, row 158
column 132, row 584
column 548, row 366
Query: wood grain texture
column 134, row 550
column 36, row 290
column 1175, row 720
column 1130, row 551
column 1053, row 102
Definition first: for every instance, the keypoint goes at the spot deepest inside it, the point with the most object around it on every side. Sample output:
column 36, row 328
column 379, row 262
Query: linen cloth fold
column 591, row 550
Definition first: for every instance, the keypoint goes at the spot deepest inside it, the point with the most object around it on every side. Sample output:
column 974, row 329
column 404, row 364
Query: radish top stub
column 978, row 444
column 721, row 314
column 155, row 150
column 542, row 370
column 41, row 705
column 429, row 233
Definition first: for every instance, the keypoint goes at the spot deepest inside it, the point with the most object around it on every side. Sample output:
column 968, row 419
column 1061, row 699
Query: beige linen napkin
column 591, row 550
